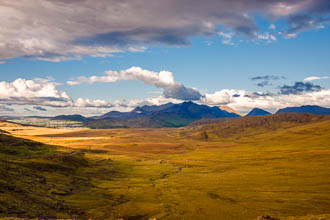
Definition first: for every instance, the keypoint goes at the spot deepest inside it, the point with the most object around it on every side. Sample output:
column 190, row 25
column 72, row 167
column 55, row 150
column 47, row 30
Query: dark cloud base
column 299, row 87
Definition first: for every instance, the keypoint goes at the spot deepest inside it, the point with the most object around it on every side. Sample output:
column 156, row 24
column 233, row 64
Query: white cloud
column 244, row 101
column 267, row 37
column 163, row 79
column 37, row 91
column 42, row 92
column 80, row 102
column 290, row 35
column 311, row 78
column 227, row 37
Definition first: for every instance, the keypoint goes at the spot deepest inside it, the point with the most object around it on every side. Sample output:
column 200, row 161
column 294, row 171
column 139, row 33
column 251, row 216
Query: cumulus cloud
column 80, row 102
column 179, row 91
column 41, row 92
column 299, row 87
column 37, row 92
column 162, row 79
column 311, row 78
column 241, row 100
column 56, row 30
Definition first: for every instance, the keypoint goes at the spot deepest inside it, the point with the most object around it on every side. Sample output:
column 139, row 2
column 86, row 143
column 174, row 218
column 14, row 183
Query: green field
column 244, row 168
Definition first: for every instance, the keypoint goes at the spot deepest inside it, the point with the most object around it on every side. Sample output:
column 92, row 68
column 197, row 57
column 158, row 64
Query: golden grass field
column 283, row 172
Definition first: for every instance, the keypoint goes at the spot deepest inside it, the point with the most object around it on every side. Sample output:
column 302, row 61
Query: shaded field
column 238, row 169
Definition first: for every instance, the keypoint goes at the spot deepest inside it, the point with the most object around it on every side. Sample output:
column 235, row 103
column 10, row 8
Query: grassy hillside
column 39, row 180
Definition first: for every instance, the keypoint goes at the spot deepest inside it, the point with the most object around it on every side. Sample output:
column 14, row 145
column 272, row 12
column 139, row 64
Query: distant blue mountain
column 137, row 112
column 186, row 109
column 167, row 115
column 314, row 109
column 78, row 118
column 257, row 111
column 195, row 111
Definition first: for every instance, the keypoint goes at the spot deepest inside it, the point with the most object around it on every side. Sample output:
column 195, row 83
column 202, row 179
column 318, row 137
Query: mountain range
column 175, row 115
column 167, row 115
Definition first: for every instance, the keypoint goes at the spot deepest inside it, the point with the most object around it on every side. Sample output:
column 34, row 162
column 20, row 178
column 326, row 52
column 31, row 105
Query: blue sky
column 204, row 58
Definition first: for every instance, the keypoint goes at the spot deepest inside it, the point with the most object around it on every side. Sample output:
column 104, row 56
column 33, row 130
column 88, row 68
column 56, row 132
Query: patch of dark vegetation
column 213, row 195
column 205, row 136
column 267, row 217
column 135, row 217
column 23, row 147
column 92, row 151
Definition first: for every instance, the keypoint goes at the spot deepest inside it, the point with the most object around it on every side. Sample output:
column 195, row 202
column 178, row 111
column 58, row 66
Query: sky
column 90, row 57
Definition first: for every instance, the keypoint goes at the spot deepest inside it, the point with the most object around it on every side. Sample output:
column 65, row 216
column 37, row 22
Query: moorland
column 271, row 167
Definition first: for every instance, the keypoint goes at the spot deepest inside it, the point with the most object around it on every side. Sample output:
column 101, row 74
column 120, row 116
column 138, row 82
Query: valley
column 244, row 168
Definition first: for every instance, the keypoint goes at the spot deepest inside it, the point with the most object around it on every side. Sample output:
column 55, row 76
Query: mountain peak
column 257, row 111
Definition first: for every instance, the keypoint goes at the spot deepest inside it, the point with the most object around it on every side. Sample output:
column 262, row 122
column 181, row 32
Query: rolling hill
column 247, row 126
column 313, row 109
column 78, row 118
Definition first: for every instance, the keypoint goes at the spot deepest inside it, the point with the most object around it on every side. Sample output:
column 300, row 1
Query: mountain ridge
column 313, row 109
column 167, row 115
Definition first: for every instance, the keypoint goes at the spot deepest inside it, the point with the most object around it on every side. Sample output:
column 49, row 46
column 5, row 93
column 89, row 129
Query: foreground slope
column 43, row 181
